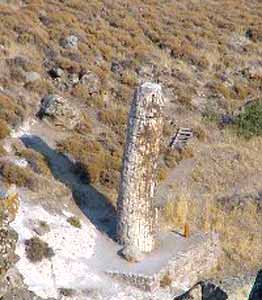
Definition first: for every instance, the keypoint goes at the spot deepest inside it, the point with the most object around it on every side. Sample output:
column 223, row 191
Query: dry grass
column 226, row 176
column 116, row 119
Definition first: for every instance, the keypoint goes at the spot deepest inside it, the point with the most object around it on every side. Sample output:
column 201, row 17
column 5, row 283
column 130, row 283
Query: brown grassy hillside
column 207, row 57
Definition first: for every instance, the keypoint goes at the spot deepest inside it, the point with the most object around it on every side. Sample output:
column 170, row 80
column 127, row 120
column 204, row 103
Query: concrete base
column 183, row 261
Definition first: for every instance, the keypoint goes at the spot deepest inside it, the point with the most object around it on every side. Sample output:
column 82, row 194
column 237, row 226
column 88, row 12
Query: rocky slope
column 67, row 73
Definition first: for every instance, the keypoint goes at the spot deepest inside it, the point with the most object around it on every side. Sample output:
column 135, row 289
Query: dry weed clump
column 99, row 165
column 11, row 113
column 22, row 177
column 37, row 161
column 162, row 173
column 37, row 250
column 2, row 151
column 82, row 92
column 114, row 118
column 173, row 157
column 166, row 281
column 9, row 207
column 89, row 155
column 85, row 126
column 4, row 129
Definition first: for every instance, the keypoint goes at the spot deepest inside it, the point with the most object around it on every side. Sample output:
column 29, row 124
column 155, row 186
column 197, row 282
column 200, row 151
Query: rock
column 40, row 227
column 213, row 292
column 73, row 78
column 255, row 72
column 227, row 120
column 132, row 254
column 92, row 82
column 204, row 291
column 232, row 288
column 8, row 239
column 21, row 294
column 70, row 42
column 117, row 67
column 59, row 110
column 9, row 204
column 12, row 279
column 56, row 72
column 32, row 76
column 193, row 294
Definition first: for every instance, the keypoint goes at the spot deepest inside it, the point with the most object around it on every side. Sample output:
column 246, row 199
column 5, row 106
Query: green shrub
column 249, row 122
column 74, row 221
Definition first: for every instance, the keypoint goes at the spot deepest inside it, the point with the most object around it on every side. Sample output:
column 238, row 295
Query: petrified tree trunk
column 136, row 214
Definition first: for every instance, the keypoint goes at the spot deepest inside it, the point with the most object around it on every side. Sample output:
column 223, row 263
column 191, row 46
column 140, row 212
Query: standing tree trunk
column 136, row 214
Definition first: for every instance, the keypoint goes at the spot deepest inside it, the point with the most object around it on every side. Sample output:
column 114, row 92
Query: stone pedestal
column 184, row 261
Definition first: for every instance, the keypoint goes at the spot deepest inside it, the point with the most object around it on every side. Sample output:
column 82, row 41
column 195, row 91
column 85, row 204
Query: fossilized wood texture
column 136, row 214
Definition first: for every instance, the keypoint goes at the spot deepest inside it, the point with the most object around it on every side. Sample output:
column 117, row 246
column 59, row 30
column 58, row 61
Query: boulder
column 195, row 293
column 21, row 294
column 8, row 239
column 92, row 82
column 212, row 291
column 32, row 76
column 245, row 287
column 11, row 280
column 70, row 42
column 131, row 254
column 73, row 78
column 59, row 110
column 56, row 72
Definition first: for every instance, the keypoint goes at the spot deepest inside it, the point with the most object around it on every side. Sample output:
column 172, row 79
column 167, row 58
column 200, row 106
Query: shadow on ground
column 93, row 204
